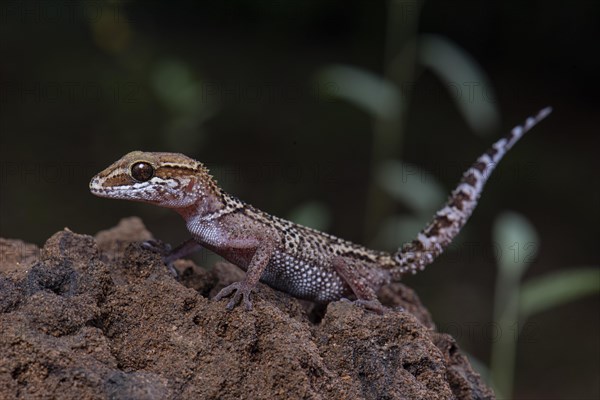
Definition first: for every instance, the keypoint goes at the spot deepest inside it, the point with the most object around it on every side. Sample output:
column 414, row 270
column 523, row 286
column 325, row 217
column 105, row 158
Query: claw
column 242, row 293
column 157, row 246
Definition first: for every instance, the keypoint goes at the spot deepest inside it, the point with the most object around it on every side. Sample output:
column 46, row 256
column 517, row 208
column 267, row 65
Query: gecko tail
column 446, row 224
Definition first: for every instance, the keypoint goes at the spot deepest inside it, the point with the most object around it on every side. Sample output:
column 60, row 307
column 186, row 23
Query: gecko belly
column 301, row 278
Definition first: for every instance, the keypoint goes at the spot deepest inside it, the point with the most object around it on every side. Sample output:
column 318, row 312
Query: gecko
column 295, row 259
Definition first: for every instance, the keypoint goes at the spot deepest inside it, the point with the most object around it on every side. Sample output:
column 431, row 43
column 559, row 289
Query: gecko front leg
column 259, row 261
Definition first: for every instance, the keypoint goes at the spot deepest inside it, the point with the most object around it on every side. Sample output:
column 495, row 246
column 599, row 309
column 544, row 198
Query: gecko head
column 165, row 179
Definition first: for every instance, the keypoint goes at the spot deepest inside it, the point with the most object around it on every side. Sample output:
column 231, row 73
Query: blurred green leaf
column 175, row 86
column 518, row 243
column 367, row 91
column 398, row 229
column 463, row 77
column 179, row 91
column 312, row 214
column 554, row 289
column 411, row 185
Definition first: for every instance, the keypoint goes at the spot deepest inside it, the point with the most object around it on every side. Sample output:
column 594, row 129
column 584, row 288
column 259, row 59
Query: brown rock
column 101, row 317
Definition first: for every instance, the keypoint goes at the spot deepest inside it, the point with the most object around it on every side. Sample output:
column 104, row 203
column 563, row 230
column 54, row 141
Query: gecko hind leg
column 360, row 279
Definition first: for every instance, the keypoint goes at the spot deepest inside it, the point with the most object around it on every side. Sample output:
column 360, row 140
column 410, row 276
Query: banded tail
column 447, row 222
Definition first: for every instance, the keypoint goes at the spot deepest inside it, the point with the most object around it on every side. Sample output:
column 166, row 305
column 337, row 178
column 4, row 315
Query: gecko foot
column 242, row 293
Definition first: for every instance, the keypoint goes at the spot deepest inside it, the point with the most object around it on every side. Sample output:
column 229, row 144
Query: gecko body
column 292, row 258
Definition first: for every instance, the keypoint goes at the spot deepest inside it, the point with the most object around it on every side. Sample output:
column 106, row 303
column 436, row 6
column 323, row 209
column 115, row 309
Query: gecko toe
column 247, row 302
column 225, row 292
column 242, row 294
column 232, row 303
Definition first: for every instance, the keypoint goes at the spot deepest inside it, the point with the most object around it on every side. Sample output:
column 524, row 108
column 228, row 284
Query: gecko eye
column 142, row 171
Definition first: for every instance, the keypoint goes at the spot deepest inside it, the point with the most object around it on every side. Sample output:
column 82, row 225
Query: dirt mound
column 100, row 317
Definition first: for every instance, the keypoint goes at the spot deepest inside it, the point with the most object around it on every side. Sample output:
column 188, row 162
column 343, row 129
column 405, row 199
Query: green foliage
column 515, row 301
column 398, row 229
column 176, row 88
column 516, row 238
column 517, row 241
column 511, row 233
column 412, row 186
column 367, row 91
column 465, row 80
column 552, row 290
column 383, row 99
column 181, row 93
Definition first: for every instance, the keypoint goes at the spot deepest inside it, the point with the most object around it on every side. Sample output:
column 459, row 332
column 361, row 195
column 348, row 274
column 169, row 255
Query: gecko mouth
column 138, row 193
column 108, row 192
column 98, row 189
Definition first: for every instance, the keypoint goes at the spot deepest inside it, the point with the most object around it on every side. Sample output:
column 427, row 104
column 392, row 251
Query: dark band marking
column 480, row 166
column 172, row 172
column 457, row 201
column 118, row 180
column 470, row 179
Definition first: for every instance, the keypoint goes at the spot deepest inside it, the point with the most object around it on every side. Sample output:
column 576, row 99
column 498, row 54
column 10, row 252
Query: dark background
column 84, row 83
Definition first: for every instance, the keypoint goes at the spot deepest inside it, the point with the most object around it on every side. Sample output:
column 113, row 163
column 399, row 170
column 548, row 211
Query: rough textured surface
column 101, row 317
